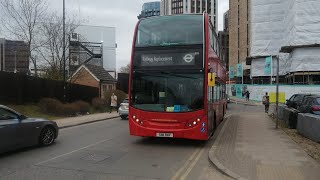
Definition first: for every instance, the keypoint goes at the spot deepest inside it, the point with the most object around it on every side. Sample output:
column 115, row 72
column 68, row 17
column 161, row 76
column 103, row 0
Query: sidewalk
column 74, row 121
column 249, row 147
column 243, row 101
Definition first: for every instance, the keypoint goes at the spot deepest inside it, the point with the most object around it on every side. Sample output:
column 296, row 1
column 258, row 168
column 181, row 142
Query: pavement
column 79, row 120
column 249, row 147
column 244, row 101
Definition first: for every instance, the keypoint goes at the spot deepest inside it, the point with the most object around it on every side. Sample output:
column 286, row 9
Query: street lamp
column 15, row 61
column 64, row 53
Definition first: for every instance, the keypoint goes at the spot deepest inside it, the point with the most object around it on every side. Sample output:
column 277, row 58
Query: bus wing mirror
column 211, row 79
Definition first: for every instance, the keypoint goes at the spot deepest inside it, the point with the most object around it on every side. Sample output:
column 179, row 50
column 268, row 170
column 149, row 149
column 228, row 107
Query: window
column 7, row 115
column 163, row 92
column 110, row 87
column 170, row 30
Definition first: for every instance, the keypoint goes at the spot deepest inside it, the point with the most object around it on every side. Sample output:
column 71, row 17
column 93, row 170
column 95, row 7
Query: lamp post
column 15, row 61
column 64, row 53
column 277, row 93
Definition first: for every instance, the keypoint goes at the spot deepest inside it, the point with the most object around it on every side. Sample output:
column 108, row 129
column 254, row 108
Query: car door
column 8, row 130
column 305, row 106
column 289, row 102
column 28, row 132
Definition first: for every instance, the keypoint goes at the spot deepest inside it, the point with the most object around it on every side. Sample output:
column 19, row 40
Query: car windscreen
column 170, row 31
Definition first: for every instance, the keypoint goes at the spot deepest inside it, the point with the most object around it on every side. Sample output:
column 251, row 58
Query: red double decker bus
column 177, row 79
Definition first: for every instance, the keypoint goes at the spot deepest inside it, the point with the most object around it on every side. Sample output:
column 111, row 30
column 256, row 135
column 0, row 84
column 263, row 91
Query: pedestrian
column 248, row 95
column 266, row 102
column 113, row 104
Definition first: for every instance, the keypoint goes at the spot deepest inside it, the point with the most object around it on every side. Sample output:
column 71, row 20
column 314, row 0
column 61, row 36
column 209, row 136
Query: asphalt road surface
column 105, row 150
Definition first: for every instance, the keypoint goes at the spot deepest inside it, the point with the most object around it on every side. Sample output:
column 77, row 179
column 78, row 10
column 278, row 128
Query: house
column 94, row 76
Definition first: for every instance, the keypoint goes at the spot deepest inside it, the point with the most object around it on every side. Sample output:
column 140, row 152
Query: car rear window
column 125, row 101
column 318, row 100
column 298, row 98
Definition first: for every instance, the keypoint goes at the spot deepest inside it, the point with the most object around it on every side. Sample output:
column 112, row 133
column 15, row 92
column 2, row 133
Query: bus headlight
column 134, row 117
column 198, row 119
column 137, row 120
column 194, row 122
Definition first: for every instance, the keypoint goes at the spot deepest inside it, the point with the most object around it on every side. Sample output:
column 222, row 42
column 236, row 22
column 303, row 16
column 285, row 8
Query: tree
column 125, row 69
column 20, row 18
column 51, row 29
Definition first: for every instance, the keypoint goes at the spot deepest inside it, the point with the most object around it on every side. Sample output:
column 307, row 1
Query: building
column 14, row 56
column 224, row 39
column 171, row 7
column 94, row 76
column 93, row 45
column 150, row 9
column 289, row 33
column 239, row 35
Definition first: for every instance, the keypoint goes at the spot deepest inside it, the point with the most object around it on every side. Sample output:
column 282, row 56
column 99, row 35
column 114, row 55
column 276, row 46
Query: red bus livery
column 177, row 80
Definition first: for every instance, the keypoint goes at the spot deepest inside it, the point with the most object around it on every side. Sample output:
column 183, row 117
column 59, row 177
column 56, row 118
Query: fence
column 258, row 91
column 20, row 88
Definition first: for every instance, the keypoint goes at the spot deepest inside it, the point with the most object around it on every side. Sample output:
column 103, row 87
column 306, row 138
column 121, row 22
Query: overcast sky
column 121, row 14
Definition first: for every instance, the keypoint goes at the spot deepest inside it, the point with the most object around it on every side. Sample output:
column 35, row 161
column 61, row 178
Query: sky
column 121, row 14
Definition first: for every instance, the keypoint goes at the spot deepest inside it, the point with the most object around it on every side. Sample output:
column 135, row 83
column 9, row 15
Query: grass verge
column 310, row 147
column 32, row 110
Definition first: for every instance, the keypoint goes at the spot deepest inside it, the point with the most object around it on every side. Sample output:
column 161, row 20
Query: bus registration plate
column 164, row 134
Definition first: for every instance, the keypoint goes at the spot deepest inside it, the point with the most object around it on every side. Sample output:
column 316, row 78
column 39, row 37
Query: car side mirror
column 22, row 117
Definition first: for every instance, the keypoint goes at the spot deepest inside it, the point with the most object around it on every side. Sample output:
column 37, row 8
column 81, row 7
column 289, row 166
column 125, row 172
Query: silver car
column 124, row 109
column 17, row 130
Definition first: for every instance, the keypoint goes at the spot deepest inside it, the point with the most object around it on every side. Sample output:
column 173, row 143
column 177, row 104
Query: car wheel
column 47, row 136
column 123, row 117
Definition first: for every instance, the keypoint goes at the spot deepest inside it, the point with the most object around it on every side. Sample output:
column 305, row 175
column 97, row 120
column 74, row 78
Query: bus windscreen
column 170, row 31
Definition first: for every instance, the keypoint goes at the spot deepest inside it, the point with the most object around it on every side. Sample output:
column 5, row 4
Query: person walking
column 113, row 103
column 266, row 102
column 247, row 95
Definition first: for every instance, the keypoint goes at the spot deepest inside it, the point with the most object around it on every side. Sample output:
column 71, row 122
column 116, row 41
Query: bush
column 53, row 106
column 99, row 103
column 50, row 105
column 120, row 96
column 82, row 106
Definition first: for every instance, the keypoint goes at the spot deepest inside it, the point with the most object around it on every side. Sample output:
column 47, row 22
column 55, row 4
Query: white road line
column 184, row 175
column 72, row 152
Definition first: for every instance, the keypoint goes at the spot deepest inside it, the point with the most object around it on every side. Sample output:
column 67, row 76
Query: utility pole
column 15, row 61
column 64, row 52
column 277, row 93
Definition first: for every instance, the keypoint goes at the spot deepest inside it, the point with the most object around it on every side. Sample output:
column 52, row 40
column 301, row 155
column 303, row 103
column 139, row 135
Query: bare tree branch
column 20, row 18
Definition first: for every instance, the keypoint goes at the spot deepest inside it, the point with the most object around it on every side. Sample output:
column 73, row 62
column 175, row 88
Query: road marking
column 72, row 152
column 184, row 175
column 185, row 165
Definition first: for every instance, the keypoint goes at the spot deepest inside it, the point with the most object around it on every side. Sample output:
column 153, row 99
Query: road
column 105, row 150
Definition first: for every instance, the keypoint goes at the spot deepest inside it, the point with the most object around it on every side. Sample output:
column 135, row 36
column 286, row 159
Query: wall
column 258, row 91
column 83, row 77
column 309, row 126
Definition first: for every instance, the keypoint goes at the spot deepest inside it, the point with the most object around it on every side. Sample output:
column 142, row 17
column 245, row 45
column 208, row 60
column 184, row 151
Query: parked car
column 17, row 130
column 296, row 100
column 124, row 109
column 311, row 104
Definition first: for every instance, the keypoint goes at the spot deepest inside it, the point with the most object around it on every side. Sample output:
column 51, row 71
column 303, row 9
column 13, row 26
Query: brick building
column 94, row 76
column 239, row 35
column 224, row 39
column 14, row 56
